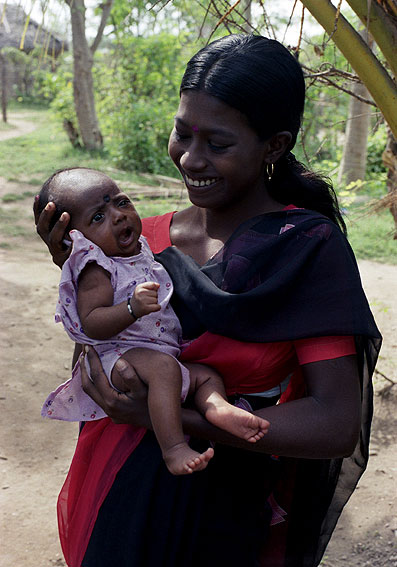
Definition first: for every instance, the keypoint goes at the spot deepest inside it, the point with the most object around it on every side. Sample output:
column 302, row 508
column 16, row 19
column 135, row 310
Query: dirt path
column 20, row 126
column 35, row 453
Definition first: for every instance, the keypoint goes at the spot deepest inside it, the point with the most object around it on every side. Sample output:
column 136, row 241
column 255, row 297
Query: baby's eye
column 97, row 217
column 124, row 202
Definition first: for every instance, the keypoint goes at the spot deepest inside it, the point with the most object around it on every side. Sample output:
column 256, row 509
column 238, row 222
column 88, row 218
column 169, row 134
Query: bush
column 57, row 88
column 138, row 97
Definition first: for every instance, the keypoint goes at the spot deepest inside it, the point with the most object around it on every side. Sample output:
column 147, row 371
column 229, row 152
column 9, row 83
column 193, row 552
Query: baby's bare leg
column 162, row 374
column 210, row 398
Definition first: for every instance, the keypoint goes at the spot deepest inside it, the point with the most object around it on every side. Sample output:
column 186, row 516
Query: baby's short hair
column 46, row 195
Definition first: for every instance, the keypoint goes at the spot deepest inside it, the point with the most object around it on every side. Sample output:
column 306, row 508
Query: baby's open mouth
column 126, row 236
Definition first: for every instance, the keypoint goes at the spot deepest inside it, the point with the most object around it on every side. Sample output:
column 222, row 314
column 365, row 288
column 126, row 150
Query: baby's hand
column 145, row 299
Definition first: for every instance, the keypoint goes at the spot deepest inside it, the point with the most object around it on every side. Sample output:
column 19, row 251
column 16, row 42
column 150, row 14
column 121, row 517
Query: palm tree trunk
column 354, row 160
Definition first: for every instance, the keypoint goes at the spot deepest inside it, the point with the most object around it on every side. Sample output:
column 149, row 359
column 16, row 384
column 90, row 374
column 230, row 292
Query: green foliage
column 32, row 69
column 376, row 146
column 57, row 89
column 138, row 97
column 15, row 56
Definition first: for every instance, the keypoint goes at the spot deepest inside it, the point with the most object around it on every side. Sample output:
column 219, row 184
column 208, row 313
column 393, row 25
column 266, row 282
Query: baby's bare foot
column 239, row 422
column 181, row 459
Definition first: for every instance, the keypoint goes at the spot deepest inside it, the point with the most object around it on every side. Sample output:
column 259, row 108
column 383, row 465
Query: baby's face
column 104, row 214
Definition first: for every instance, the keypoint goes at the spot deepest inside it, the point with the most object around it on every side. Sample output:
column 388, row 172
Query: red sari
column 104, row 447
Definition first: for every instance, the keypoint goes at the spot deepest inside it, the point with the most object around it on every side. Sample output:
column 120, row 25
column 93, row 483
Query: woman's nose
column 193, row 158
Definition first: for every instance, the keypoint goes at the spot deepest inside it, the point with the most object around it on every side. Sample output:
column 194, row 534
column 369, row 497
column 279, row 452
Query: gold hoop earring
column 270, row 171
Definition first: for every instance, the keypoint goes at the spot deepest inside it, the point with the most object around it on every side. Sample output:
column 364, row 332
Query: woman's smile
column 201, row 182
column 218, row 154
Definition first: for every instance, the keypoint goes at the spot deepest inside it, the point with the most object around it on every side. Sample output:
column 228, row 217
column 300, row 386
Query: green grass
column 12, row 197
column 13, row 225
column 4, row 126
column 34, row 157
column 371, row 236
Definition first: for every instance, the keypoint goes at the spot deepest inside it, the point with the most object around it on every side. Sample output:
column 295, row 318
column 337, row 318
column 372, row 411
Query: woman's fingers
column 121, row 407
column 90, row 386
column 54, row 238
column 134, row 388
column 36, row 210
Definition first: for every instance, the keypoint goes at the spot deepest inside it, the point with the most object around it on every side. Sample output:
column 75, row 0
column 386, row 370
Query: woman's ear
column 277, row 145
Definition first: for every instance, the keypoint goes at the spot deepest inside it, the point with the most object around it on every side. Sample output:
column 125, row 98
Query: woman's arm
column 325, row 424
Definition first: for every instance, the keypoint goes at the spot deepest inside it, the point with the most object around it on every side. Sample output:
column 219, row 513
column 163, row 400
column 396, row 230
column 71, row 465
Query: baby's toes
column 190, row 466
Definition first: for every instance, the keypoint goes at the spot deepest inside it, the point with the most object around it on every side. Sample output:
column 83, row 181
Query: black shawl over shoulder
column 284, row 276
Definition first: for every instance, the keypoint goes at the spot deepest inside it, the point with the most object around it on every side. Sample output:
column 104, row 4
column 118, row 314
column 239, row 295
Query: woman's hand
column 127, row 407
column 53, row 238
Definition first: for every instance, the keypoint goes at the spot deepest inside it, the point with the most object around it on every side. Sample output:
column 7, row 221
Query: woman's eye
column 218, row 147
column 180, row 137
column 97, row 217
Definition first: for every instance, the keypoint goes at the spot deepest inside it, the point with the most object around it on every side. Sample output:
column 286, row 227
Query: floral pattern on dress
column 159, row 331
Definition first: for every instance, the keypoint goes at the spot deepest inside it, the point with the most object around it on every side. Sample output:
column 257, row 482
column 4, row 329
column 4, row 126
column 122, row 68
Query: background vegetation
column 32, row 158
column 136, row 75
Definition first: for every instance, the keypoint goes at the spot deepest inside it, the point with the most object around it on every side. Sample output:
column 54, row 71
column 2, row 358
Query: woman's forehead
column 200, row 110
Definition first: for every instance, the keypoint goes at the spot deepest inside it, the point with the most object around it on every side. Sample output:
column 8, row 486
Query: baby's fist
column 145, row 299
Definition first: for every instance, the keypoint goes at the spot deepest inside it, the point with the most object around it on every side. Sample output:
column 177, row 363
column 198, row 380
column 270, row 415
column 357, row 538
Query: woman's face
column 220, row 157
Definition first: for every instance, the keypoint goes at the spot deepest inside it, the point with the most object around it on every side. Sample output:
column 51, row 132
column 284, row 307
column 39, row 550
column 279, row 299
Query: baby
column 115, row 296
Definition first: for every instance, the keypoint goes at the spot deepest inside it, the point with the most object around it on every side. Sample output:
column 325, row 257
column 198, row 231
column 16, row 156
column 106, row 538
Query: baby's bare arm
column 99, row 317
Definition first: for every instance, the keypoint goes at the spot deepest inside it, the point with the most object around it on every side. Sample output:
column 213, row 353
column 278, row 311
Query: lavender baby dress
column 157, row 331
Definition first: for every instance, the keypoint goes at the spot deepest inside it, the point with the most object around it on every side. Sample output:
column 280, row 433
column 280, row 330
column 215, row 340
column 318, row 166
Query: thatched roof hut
column 12, row 24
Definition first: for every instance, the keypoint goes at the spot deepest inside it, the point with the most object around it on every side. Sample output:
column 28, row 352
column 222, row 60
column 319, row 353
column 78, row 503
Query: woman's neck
column 201, row 233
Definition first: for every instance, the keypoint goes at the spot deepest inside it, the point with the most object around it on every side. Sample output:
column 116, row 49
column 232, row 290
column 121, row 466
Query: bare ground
column 35, row 453
column 19, row 125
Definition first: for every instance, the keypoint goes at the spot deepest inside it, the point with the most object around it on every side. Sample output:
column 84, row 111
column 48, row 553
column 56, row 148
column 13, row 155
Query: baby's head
column 97, row 208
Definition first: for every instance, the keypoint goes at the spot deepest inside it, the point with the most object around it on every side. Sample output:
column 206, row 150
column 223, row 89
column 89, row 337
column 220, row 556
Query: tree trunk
column 83, row 88
column 389, row 158
column 72, row 133
column 3, row 64
column 354, row 160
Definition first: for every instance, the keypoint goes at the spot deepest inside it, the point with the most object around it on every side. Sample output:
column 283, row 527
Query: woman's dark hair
column 264, row 81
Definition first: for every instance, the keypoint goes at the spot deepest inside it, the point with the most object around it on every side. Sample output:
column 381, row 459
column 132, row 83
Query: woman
column 266, row 284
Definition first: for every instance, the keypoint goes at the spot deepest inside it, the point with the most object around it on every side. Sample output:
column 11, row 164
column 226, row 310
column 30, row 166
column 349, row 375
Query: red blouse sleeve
column 323, row 348
column 156, row 230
